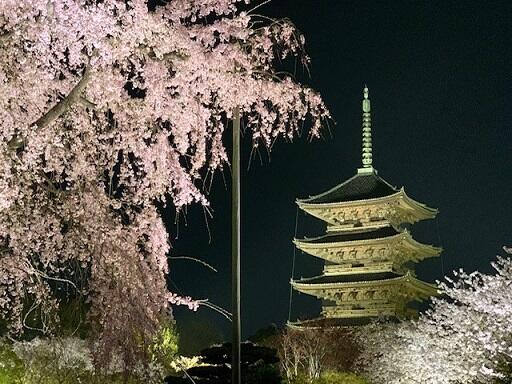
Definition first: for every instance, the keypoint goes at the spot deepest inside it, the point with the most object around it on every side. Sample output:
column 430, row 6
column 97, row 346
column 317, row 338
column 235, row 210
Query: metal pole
column 235, row 248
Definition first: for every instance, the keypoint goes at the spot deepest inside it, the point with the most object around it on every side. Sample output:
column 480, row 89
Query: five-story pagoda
column 369, row 256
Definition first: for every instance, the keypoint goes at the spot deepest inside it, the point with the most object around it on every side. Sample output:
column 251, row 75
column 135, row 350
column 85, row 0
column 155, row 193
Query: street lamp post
column 235, row 248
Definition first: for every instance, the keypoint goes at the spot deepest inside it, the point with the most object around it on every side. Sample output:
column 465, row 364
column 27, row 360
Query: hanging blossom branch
column 108, row 111
column 193, row 305
column 175, row 299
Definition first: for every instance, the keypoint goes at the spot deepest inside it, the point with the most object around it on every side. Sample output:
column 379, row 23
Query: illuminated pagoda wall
column 368, row 255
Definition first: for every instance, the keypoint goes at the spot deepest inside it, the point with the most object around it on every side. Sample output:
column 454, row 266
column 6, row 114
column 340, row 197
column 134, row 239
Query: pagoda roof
column 322, row 282
column 339, row 237
column 362, row 186
column 351, row 278
column 401, row 241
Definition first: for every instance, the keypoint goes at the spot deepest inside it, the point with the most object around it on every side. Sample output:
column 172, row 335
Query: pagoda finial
column 367, row 133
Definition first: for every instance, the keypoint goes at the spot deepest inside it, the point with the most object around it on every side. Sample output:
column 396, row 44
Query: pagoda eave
column 340, row 269
column 396, row 208
column 303, row 204
column 426, row 211
column 401, row 248
column 403, row 237
column 384, row 311
column 416, row 288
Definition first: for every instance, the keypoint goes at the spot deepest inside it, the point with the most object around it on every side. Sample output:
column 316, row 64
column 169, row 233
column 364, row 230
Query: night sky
column 441, row 91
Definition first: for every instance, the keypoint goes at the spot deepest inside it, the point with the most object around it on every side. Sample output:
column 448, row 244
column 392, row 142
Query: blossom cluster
column 183, row 300
column 68, row 353
column 463, row 338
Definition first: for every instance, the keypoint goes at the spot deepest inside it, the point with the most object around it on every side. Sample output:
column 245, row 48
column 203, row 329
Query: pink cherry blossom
column 463, row 338
column 106, row 109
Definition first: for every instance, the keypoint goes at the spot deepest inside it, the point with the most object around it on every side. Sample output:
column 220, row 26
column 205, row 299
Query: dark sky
column 441, row 91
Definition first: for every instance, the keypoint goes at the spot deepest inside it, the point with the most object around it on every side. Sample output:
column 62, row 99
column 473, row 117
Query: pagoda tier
column 365, row 199
column 368, row 257
column 364, row 246
column 366, row 295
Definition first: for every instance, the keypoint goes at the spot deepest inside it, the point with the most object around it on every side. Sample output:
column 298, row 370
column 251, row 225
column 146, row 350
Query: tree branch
column 216, row 308
column 193, row 259
column 63, row 105
column 5, row 36
column 45, row 276
column 86, row 103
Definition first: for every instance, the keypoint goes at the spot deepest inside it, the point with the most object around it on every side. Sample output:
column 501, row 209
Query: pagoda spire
column 367, row 163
